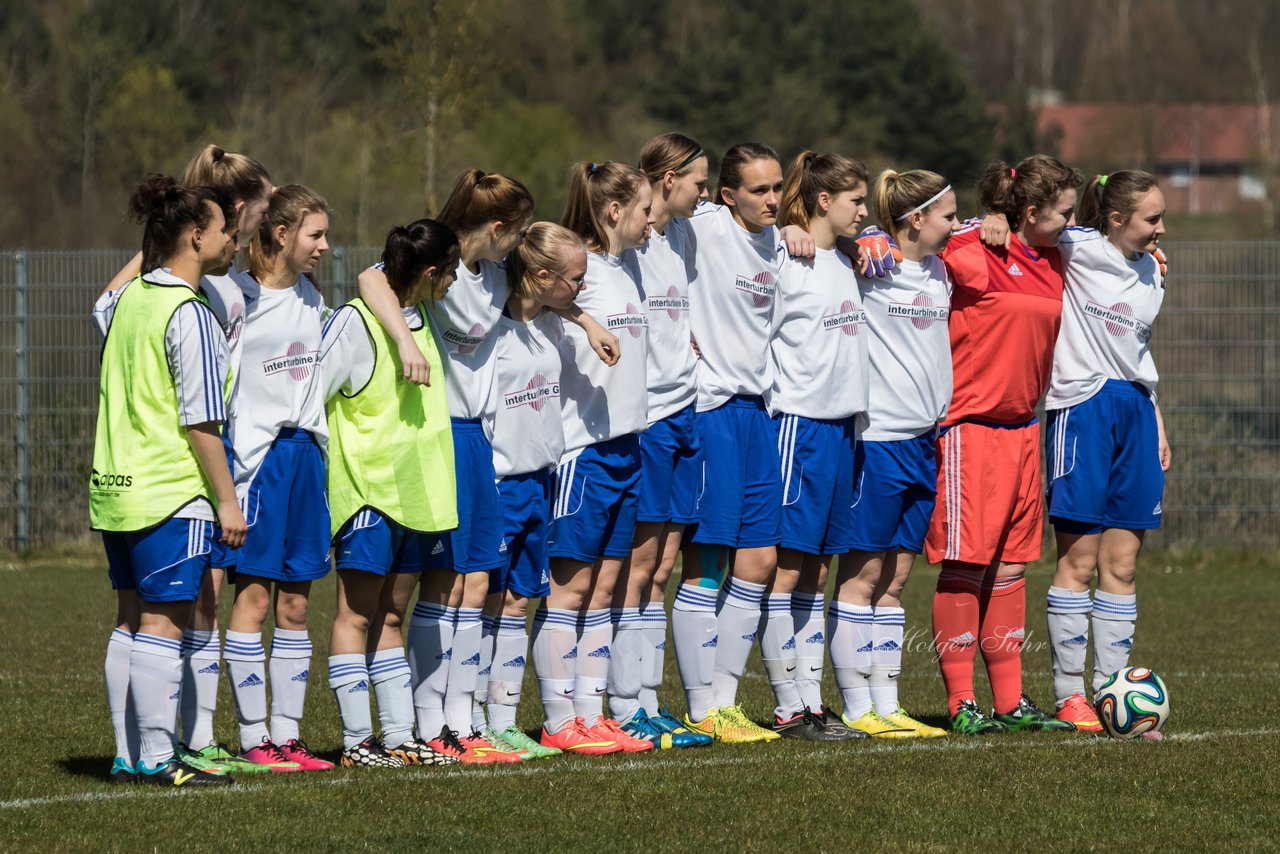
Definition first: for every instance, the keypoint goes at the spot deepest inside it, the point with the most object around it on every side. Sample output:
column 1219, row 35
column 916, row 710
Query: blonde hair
column 288, row 207
column 592, row 186
column 543, row 248
column 236, row 175
column 811, row 174
column 897, row 193
column 479, row 198
column 668, row 152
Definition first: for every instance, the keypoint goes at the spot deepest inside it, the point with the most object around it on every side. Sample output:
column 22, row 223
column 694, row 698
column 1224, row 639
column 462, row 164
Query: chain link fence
column 1217, row 344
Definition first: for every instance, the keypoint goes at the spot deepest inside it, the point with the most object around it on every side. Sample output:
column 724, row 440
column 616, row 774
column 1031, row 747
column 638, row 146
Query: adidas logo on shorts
column 502, row 547
column 301, row 677
column 359, row 687
column 1078, row 640
column 252, row 681
column 438, row 548
column 1156, row 511
column 1014, row 271
column 599, row 652
column 212, row 668
column 816, row 637
column 518, row 661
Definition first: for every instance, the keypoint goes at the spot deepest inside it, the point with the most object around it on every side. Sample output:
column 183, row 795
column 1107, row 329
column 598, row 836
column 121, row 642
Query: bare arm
column 206, row 441
column 127, row 274
column 604, row 342
column 377, row 294
column 1166, row 452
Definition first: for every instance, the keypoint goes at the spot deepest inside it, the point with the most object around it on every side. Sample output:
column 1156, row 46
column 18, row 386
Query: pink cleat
column 296, row 750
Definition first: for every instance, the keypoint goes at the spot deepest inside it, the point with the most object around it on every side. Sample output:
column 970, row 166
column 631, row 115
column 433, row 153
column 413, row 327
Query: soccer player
column 670, row 456
column 545, row 272
column 276, row 433
column 596, row 483
column 818, row 398
column 1005, row 312
column 910, row 387
column 391, row 488
column 159, row 471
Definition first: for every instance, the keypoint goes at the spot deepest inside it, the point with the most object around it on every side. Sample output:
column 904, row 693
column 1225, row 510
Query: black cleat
column 177, row 773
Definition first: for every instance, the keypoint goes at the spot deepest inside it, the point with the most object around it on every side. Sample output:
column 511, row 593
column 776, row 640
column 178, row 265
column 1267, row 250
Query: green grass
column 1206, row 625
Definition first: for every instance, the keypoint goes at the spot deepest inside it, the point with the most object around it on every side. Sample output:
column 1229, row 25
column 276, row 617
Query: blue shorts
column 740, row 491
column 370, row 542
column 526, row 512
column 594, row 509
column 818, row 475
column 287, row 511
column 897, row 488
column 222, row 556
column 1104, row 462
column 474, row 545
column 165, row 563
column 670, row 470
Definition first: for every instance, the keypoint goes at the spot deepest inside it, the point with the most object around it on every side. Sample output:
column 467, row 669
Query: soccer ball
column 1132, row 702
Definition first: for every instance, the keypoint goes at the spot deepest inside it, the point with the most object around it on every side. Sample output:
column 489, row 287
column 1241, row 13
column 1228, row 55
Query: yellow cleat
column 877, row 727
column 730, row 725
column 922, row 730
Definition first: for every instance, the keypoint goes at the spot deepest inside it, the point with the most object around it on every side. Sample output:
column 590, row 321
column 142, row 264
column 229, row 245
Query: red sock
column 1003, row 629
column 955, row 629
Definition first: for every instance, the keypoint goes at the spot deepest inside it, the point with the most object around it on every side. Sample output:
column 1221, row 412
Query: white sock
column 393, row 687
column 886, row 658
column 487, row 629
column 201, row 652
column 155, row 678
column 626, row 664
column 464, row 665
column 289, row 667
column 778, row 654
column 1114, row 618
column 693, row 628
column 555, row 654
column 653, row 617
column 851, row 629
column 1068, row 640
column 506, row 677
column 349, row 679
column 125, row 724
column 811, row 648
column 595, row 641
column 245, row 659
column 737, row 622
column 430, row 647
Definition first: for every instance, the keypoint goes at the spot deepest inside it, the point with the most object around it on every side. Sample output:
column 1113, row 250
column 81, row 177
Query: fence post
column 339, row 275
column 22, row 538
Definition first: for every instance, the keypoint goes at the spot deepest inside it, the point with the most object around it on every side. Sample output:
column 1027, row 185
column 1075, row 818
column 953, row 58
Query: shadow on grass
column 93, row 767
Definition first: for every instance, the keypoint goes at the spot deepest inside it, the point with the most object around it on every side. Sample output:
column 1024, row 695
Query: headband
column 924, row 205
column 688, row 160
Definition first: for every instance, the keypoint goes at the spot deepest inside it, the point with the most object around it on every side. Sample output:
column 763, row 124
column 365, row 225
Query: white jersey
column 346, row 352
column 911, row 380
column 819, row 343
column 602, row 402
column 463, row 323
column 524, row 421
column 1108, row 307
column 731, row 295
column 662, row 267
column 279, row 383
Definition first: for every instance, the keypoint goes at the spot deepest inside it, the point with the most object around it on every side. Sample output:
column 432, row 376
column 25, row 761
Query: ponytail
column 237, row 176
column 668, row 152
column 479, row 198
column 810, row 175
column 592, row 186
column 544, row 247
column 1034, row 182
column 899, row 194
column 168, row 211
column 412, row 249
column 1118, row 192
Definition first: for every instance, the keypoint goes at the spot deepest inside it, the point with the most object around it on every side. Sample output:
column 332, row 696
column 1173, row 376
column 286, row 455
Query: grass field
column 1207, row 625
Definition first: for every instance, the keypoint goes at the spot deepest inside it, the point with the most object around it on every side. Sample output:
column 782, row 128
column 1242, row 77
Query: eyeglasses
column 578, row 283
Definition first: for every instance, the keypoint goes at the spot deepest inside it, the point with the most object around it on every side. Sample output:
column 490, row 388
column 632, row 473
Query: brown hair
column 1115, row 193
column 736, row 158
column 166, row 211
column 237, row 175
column 543, row 248
column 592, row 186
column 668, row 152
column 479, row 198
column 811, row 174
column 1034, row 182
column 289, row 206
column 899, row 192
column 412, row 249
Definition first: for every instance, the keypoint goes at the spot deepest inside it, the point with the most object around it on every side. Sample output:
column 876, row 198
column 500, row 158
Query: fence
column 1217, row 343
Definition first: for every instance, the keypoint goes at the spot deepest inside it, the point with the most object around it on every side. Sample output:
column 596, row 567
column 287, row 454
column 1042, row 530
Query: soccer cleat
column 121, row 772
column 369, row 753
column 681, row 736
column 805, row 726
column 174, row 772
column 577, row 737
column 269, row 756
column 729, row 724
column 877, row 727
column 969, row 720
column 1028, row 717
column 1076, row 710
column 220, row 757
column 477, row 750
column 447, row 743
column 418, row 752
column 526, row 746
column 196, row 759
column 836, row 726
column 922, row 730
column 296, row 750
column 609, row 728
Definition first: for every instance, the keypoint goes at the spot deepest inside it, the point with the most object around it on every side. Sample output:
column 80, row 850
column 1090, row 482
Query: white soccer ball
column 1132, row 702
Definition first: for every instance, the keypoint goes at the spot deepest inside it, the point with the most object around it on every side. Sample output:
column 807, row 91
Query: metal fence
column 1217, row 344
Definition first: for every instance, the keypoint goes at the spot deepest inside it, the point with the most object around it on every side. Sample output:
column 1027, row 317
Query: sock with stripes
column 201, row 651
column 778, row 654
column 811, row 647
column 653, row 616
column 430, row 648
column 693, row 629
column 349, row 680
column 116, row 670
column 737, row 621
column 851, row 629
column 155, row 678
column 246, row 657
column 626, row 664
column 510, row 649
column 1068, row 639
column 1000, row 638
column 1114, row 620
column 464, row 668
column 886, row 658
column 955, row 631
column 595, row 642
column 481, row 697
column 393, row 688
column 555, row 660
column 289, row 668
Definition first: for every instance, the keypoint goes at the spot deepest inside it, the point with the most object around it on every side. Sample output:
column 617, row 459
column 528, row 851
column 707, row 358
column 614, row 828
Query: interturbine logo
column 465, row 343
column 297, row 360
column 921, row 312
column 672, row 303
column 633, row 320
column 1119, row 320
column 534, row 395
column 760, row 286
column 846, row 319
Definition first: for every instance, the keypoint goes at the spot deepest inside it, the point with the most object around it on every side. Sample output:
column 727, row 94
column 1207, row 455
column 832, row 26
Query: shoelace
column 301, row 746
column 813, row 719
column 273, row 751
column 450, row 739
column 1031, row 707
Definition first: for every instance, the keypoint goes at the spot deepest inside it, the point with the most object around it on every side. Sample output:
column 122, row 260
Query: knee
column 252, row 603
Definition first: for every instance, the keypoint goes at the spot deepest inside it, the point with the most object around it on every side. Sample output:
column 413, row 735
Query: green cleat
column 515, row 738
column 969, row 720
column 1028, row 717
column 218, row 756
